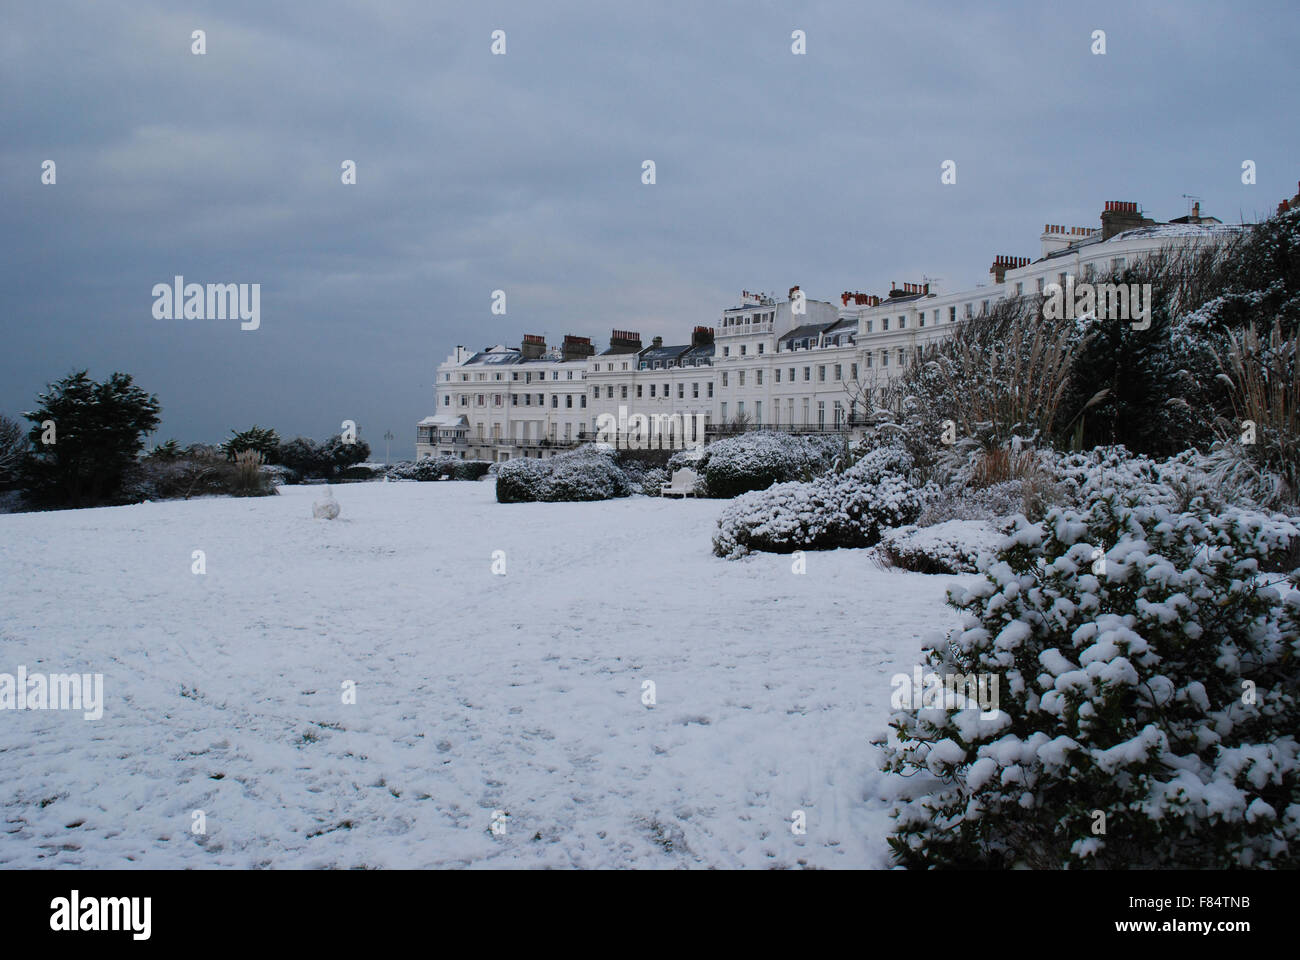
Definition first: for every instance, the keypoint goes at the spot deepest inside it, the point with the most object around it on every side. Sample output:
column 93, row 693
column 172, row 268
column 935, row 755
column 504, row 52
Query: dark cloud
column 523, row 172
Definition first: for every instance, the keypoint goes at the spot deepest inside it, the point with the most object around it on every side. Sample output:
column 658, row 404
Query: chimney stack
column 1121, row 215
column 701, row 336
column 657, row 342
column 533, row 346
column 624, row 341
column 576, row 348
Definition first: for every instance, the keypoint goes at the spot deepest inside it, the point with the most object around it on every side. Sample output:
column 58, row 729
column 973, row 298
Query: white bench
column 682, row 485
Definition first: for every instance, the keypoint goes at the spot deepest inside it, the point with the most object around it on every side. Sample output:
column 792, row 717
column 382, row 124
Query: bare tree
column 13, row 448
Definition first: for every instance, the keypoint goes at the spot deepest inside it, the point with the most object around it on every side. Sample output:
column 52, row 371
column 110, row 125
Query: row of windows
column 498, row 400
column 640, row 390
column 838, row 412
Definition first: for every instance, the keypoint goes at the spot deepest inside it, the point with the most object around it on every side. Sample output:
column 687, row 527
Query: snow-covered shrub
column 587, row 473
column 1177, row 482
column 951, row 547
column 652, row 482
column 280, row 474
column 848, row 509
column 755, row 461
column 1147, row 708
column 439, row 468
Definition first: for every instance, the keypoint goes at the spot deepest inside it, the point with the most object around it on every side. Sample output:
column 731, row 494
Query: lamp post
column 388, row 439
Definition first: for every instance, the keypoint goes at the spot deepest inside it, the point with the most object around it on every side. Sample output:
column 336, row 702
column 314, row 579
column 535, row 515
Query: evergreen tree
column 85, row 435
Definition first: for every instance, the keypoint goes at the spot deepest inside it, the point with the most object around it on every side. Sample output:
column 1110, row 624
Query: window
column 681, row 391
column 778, row 374
column 758, row 413
column 884, row 358
column 724, row 378
column 570, row 375
column 969, row 313
column 639, row 388
column 902, row 357
column 760, row 348
column 622, row 392
column 921, row 319
column 540, row 398
column 742, row 378
column 582, row 401
column 480, row 399
column 792, row 374
column 726, row 351
column 742, row 349
column 1040, row 284
column 514, row 399
column 807, row 374
column 821, row 414
column 695, row 391
column 446, row 400
column 496, row 399
column 1020, row 289
column 710, row 388
column 884, row 323
column 595, row 393
column 665, row 390
column 568, row 400
column 869, row 326
column 853, row 371
column 760, row 378
column 609, row 392
column 984, row 307
column 724, row 412
column 659, row 364
column 464, row 400
column 805, row 411
column 952, row 314
column 555, row 400
column 821, row 374
column 625, row 366
column 528, row 399
column 652, row 389
column 902, row 322
column 839, row 372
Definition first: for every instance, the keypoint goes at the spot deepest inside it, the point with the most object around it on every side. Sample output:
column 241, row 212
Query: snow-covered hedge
column 950, row 547
column 439, row 468
column 848, row 509
column 587, row 473
column 755, row 461
column 1148, row 714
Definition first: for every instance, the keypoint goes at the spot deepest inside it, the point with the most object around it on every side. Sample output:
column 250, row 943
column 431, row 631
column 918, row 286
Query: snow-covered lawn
column 475, row 692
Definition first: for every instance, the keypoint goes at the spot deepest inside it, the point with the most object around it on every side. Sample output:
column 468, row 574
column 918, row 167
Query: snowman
column 328, row 508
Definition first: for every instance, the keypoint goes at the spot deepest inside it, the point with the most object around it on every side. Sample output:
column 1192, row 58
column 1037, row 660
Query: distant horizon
column 523, row 173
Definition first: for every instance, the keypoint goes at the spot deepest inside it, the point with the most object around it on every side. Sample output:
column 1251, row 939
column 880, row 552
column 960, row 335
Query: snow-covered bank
column 474, row 692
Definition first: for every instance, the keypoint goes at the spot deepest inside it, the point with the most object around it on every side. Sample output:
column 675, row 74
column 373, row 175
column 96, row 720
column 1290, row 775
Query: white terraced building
column 797, row 364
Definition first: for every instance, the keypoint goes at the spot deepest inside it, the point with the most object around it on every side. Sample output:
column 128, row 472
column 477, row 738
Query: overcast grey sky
column 523, row 172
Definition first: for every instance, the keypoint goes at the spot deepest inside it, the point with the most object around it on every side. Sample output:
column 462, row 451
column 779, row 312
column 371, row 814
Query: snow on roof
column 1177, row 230
column 444, row 420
